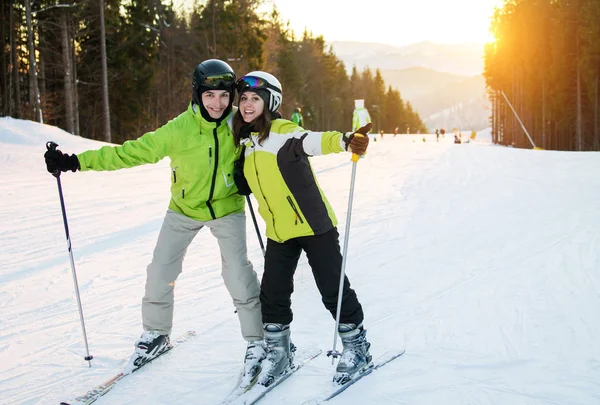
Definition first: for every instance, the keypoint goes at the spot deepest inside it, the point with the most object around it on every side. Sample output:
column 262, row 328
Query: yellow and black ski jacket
column 281, row 177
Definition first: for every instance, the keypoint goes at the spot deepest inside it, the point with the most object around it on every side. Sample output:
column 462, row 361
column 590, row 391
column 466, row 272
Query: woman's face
column 215, row 102
column 251, row 106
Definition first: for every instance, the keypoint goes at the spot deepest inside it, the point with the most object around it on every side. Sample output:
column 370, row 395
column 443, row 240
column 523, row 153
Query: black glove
column 56, row 161
column 239, row 179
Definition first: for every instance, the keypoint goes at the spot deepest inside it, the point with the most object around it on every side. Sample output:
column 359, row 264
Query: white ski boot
column 355, row 356
column 255, row 354
column 280, row 354
column 148, row 347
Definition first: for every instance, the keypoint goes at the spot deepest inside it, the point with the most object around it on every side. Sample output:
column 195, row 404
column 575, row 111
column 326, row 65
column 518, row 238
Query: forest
column 112, row 70
column 542, row 73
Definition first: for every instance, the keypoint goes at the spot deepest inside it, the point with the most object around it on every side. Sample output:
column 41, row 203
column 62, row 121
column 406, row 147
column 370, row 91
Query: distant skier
column 297, row 117
column 360, row 116
column 437, row 135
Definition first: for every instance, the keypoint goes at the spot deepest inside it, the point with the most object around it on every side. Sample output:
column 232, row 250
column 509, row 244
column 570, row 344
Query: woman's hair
column 262, row 125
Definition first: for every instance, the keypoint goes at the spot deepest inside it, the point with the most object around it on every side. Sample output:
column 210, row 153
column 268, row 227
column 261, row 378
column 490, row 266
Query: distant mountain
column 443, row 99
column 442, row 82
column 459, row 104
column 462, row 59
column 415, row 82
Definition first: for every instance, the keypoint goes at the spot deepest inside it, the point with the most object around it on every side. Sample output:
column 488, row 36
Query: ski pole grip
column 50, row 145
column 355, row 157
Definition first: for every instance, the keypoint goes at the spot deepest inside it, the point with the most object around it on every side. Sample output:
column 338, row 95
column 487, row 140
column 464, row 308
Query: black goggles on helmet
column 253, row 83
column 226, row 79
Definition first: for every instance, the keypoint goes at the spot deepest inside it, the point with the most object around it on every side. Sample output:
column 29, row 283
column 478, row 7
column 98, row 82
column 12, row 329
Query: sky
column 393, row 22
column 480, row 260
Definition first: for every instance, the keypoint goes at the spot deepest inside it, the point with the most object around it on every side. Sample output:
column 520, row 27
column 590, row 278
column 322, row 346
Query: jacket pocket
column 298, row 217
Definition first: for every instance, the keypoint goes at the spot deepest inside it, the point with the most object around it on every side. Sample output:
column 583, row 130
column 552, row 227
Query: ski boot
column 355, row 355
column 255, row 354
column 148, row 347
column 280, row 353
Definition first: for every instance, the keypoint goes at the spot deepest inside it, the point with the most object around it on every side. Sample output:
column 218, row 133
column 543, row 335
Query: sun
column 460, row 21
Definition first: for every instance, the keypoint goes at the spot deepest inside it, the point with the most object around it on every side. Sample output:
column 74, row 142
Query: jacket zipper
column 214, row 175
column 175, row 175
column 298, row 217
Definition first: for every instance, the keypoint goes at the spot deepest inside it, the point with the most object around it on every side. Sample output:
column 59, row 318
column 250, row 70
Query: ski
column 100, row 390
column 239, row 390
column 338, row 389
column 256, row 392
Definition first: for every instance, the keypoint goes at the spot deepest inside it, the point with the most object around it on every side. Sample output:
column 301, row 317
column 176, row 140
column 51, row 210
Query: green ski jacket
column 202, row 154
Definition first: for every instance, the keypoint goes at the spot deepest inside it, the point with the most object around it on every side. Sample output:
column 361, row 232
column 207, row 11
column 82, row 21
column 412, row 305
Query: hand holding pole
column 51, row 146
column 361, row 132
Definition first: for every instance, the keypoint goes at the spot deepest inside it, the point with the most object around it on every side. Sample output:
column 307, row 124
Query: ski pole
column 52, row 146
column 333, row 352
column 262, row 246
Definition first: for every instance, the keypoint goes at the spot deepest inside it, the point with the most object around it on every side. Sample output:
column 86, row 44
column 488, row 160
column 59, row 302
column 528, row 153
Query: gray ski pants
column 240, row 279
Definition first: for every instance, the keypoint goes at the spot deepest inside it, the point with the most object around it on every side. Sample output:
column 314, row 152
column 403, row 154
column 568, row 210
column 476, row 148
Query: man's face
column 215, row 102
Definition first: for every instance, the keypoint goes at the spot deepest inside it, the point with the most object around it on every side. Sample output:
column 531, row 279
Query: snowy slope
column 482, row 260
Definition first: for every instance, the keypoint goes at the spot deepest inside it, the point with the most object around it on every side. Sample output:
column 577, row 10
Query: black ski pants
column 325, row 260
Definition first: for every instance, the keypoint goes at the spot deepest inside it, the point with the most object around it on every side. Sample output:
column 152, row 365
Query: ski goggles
column 253, row 83
column 226, row 79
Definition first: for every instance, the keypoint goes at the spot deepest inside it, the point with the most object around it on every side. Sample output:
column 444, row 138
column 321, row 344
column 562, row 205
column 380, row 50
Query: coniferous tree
column 4, row 59
column 150, row 54
column 545, row 62
column 34, row 96
column 377, row 100
column 16, row 58
column 171, row 84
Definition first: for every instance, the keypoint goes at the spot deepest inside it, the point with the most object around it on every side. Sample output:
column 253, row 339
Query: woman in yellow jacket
column 298, row 217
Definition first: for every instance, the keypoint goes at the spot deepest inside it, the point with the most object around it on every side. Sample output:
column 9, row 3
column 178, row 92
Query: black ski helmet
column 212, row 74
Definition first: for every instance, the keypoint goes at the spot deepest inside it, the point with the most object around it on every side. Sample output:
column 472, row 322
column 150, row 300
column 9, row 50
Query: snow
column 483, row 261
column 484, row 135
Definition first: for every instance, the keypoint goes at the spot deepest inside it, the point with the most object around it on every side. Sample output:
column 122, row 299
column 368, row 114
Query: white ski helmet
column 262, row 80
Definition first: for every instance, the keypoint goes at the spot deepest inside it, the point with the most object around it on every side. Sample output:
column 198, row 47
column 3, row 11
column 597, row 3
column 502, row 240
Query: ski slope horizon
column 481, row 260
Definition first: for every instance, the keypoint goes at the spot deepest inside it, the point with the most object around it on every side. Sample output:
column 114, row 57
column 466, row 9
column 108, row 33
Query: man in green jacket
column 200, row 144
